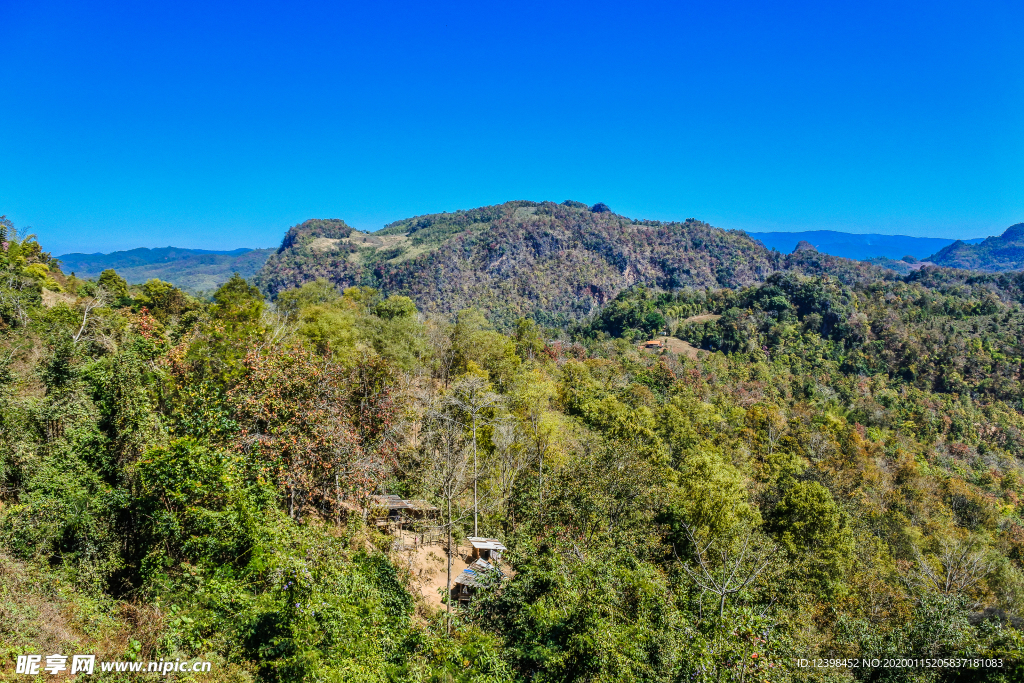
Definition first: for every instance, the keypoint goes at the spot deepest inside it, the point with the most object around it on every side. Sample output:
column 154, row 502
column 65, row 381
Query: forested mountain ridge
column 836, row 472
column 995, row 254
column 861, row 247
column 555, row 263
column 193, row 270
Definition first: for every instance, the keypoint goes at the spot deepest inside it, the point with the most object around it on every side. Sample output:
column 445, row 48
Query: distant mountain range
column 857, row 247
column 994, row 254
column 194, row 270
column 555, row 262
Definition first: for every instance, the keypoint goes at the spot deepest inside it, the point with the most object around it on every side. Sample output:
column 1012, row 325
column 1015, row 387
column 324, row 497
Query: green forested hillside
column 193, row 270
column 995, row 254
column 556, row 263
column 822, row 464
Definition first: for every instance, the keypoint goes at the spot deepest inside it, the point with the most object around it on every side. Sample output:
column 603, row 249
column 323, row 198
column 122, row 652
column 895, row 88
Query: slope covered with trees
column 995, row 254
column 836, row 472
column 193, row 270
column 556, row 263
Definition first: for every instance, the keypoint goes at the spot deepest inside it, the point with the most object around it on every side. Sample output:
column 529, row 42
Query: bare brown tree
column 956, row 569
column 472, row 395
column 725, row 565
column 446, row 468
column 508, row 460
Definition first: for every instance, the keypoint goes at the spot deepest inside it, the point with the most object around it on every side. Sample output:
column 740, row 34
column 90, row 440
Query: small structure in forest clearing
column 486, row 548
column 392, row 510
column 476, row 575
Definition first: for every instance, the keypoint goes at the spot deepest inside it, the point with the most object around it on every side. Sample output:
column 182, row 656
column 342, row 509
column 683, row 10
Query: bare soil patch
column 679, row 347
column 426, row 564
column 703, row 318
column 51, row 299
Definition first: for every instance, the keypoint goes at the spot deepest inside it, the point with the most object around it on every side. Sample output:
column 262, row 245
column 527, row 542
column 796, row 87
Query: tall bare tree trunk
column 476, row 529
column 540, row 481
column 449, row 594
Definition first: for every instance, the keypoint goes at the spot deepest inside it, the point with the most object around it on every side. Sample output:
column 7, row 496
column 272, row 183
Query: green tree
column 133, row 424
column 115, row 285
column 237, row 303
column 319, row 291
column 395, row 306
column 808, row 522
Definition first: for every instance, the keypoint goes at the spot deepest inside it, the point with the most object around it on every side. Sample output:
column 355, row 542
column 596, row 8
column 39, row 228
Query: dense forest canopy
column 816, row 460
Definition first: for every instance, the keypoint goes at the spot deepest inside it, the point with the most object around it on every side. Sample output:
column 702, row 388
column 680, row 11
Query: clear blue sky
column 216, row 125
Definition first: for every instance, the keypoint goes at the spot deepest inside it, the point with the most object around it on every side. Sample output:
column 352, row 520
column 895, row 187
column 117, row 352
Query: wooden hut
column 466, row 584
column 486, row 548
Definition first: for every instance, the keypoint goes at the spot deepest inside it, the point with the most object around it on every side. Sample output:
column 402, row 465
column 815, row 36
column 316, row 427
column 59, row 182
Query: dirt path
column 427, row 564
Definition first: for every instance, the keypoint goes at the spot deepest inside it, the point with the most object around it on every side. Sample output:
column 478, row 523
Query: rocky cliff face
column 554, row 262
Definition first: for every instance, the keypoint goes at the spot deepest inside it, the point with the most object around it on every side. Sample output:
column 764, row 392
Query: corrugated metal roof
column 481, row 543
column 392, row 502
column 473, row 576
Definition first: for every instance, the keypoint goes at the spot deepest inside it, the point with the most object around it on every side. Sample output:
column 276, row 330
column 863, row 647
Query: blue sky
column 218, row 125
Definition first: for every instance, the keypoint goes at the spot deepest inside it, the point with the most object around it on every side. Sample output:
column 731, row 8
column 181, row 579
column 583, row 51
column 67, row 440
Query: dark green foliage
column 395, row 307
column 237, row 303
column 632, row 314
column 1001, row 253
column 163, row 300
column 808, row 522
column 115, row 285
column 191, row 503
column 129, row 401
column 602, row 618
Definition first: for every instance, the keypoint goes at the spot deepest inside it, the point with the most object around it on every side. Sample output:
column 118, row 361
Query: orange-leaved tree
column 321, row 429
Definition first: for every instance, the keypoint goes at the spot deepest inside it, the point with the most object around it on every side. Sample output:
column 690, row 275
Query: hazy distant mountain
column 193, row 270
column 555, row 262
column 857, row 247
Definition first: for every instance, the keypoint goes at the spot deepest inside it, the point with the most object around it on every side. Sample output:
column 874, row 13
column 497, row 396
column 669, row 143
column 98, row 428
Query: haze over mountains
column 857, row 246
column 194, row 270
column 540, row 258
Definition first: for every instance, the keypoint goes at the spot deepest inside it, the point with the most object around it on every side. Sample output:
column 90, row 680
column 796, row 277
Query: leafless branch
column 89, row 305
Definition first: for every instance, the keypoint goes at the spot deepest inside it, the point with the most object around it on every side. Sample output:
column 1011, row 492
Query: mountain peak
column 556, row 262
column 1014, row 233
column 995, row 254
column 330, row 228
